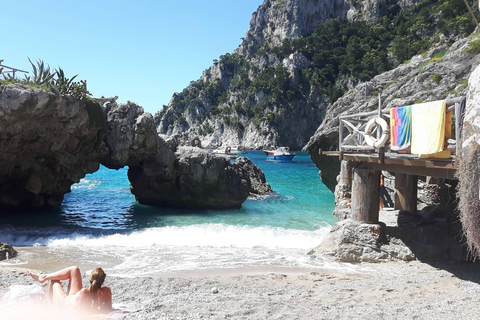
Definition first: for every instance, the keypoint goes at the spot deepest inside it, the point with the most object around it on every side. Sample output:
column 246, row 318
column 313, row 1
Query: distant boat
column 280, row 154
column 225, row 152
column 238, row 149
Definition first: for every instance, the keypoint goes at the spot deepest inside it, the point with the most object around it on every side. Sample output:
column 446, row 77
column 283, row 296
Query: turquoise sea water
column 101, row 214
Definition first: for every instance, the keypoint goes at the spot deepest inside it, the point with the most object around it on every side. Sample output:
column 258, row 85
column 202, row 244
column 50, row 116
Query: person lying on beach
column 97, row 298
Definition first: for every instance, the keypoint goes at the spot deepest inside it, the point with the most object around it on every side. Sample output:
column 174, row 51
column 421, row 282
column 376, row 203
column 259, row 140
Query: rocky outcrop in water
column 163, row 174
column 48, row 142
column 190, row 178
column 130, row 137
column 258, row 183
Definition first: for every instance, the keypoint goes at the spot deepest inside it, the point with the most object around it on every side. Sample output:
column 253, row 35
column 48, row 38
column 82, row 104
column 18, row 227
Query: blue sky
column 142, row 51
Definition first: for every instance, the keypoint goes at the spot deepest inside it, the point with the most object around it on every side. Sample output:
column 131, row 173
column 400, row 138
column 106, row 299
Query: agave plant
column 65, row 85
column 41, row 73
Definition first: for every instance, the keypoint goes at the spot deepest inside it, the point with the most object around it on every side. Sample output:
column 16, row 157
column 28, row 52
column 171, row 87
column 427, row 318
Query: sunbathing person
column 95, row 299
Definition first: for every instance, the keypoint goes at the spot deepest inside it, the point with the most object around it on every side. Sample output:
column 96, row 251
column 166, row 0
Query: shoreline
column 391, row 290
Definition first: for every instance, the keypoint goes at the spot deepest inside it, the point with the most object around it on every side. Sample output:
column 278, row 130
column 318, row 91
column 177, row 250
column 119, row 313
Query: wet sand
column 395, row 290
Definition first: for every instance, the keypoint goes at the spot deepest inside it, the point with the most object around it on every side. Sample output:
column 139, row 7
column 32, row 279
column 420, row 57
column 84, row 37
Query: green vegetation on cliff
column 337, row 50
column 55, row 81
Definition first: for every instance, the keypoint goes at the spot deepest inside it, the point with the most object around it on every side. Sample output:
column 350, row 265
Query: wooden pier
column 361, row 166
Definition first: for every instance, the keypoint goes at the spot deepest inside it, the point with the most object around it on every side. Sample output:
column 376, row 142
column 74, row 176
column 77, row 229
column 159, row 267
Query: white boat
column 225, row 152
column 280, row 154
column 238, row 149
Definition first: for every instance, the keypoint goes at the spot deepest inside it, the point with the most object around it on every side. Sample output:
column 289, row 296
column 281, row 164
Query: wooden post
column 365, row 195
column 406, row 192
column 340, row 134
column 346, row 172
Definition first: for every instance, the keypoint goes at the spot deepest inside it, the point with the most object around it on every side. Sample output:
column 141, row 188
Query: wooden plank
column 416, row 170
column 365, row 148
column 13, row 69
column 406, row 164
column 363, row 114
column 330, row 153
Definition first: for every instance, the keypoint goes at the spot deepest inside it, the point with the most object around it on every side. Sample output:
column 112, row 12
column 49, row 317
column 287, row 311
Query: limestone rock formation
column 468, row 171
column 268, row 92
column 191, row 178
column 48, row 142
column 163, row 174
column 258, row 183
column 275, row 21
column 410, row 237
column 353, row 241
column 130, row 137
column 409, row 83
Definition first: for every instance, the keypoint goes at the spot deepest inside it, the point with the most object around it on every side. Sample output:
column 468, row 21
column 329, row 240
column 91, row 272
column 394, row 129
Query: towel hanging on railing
column 400, row 128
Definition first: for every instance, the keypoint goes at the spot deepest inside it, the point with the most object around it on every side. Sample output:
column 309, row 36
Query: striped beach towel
column 400, row 128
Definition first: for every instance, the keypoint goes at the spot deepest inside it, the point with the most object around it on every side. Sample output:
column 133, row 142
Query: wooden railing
column 10, row 70
column 352, row 129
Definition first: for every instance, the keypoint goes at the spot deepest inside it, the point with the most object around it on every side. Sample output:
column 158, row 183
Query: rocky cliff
column 434, row 232
column 468, row 170
column 48, row 143
column 440, row 73
column 297, row 58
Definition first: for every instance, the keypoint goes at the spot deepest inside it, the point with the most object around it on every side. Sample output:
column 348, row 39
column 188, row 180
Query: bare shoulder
column 106, row 289
column 84, row 291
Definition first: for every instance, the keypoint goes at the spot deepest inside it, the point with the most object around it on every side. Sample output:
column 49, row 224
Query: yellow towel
column 428, row 127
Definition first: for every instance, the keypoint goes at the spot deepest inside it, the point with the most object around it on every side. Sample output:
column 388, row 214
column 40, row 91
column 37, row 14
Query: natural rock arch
column 50, row 142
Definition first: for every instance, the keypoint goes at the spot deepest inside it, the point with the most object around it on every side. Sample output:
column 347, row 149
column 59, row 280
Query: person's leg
column 56, row 293
column 71, row 273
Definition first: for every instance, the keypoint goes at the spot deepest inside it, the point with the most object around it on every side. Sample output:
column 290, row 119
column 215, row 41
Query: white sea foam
column 86, row 184
column 204, row 235
column 195, row 247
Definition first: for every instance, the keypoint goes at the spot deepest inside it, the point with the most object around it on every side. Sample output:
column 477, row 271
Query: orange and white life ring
column 370, row 140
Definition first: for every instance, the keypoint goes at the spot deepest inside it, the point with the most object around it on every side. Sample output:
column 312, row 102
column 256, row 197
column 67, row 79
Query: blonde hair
column 97, row 277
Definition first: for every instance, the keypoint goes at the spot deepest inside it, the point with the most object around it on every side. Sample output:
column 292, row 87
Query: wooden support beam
column 365, row 195
column 406, row 192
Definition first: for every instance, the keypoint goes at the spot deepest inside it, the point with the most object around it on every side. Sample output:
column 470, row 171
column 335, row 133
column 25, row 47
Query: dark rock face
column 256, row 176
column 163, row 174
column 131, row 135
column 7, row 251
column 48, row 142
column 191, row 178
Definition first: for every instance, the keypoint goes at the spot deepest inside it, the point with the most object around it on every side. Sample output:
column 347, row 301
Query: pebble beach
column 395, row 290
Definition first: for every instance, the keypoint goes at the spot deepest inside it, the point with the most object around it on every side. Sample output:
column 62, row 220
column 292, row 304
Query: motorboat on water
column 225, row 152
column 238, row 149
column 280, row 154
